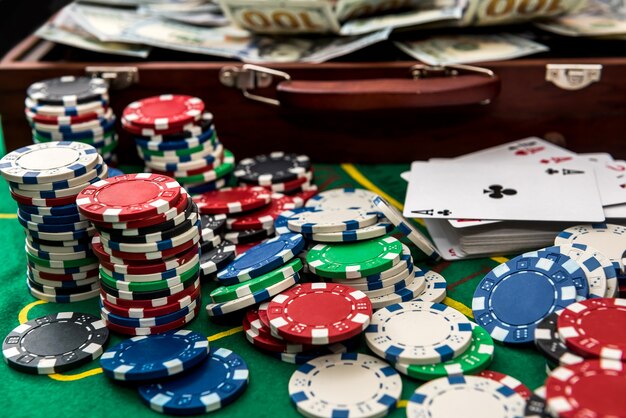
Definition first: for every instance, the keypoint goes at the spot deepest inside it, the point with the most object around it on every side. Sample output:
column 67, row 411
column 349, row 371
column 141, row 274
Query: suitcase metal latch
column 118, row 77
column 249, row 77
column 573, row 76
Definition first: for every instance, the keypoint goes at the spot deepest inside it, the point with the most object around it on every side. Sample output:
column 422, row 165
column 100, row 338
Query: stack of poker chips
column 148, row 247
column 256, row 275
column 177, row 373
column 289, row 174
column 350, row 231
column 309, row 320
column 45, row 180
column 176, row 137
column 72, row 109
column 249, row 212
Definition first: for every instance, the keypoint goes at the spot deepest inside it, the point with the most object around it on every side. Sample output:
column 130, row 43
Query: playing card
column 611, row 176
column 503, row 191
column 525, row 150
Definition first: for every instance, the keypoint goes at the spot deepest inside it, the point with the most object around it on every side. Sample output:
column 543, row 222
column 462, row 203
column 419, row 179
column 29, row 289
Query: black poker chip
column 249, row 235
column 536, row 406
column 165, row 234
column 68, row 90
column 57, row 291
column 216, row 259
column 273, row 168
column 153, row 294
column 212, row 225
column 550, row 344
column 55, row 343
column 203, row 125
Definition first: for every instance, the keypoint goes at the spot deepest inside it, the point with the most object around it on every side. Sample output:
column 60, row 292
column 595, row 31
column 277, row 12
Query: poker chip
column 190, row 272
column 128, row 197
column 590, row 388
column 267, row 342
column 477, row 357
column 369, row 232
column 405, row 263
column 145, row 247
column 249, row 236
column 212, row 224
column 226, row 293
column 99, row 170
column 276, row 167
column 595, row 328
column 64, row 270
column 152, row 357
column 68, row 91
column 292, row 185
column 497, row 307
column 45, row 163
column 186, row 138
column 164, row 111
column 219, row 309
column 341, row 313
column 119, row 266
column 202, row 148
column 305, row 357
column 55, row 343
column 65, row 110
column 148, row 294
column 103, row 121
column 408, row 230
column 147, row 256
column 325, row 386
column 158, row 239
column 509, row 381
column 435, row 289
column 336, row 220
column 418, row 333
column 392, row 288
column 407, row 293
column 52, row 211
column 216, row 259
column 219, row 170
column 144, row 131
column 572, row 266
column 480, row 397
column 68, row 277
column 153, row 330
column 80, row 262
column 280, row 224
column 142, row 312
column 536, row 405
column 348, row 198
column 60, row 284
column 213, row 384
column 261, row 259
column 390, row 282
column 192, row 164
column 63, row 120
column 232, row 200
column 549, row 343
column 608, row 239
column 264, row 218
column 354, row 260
column 74, row 297
column 153, row 321
column 149, row 303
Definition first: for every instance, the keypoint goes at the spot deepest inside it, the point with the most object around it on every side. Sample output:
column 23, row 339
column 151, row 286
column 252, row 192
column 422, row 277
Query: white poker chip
column 466, row 396
column 408, row 293
column 403, row 225
column 346, row 385
column 332, row 220
column 419, row 333
column 608, row 239
column 435, row 289
column 344, row 199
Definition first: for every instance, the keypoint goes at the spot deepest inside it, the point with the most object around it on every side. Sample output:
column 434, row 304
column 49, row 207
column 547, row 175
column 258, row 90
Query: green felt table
column 86, row 392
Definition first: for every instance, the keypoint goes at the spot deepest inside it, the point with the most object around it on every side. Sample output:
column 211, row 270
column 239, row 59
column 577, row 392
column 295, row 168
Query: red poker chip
column 264, row 218
column 163, row 112
column 147, row 256
column 262, row 313
column 66, row 277
column 35, row 201
column 595, row 328
column 141, row 312
column 139, row 267
column 508, row 381
column 64, row 120
column 152, row 330
column 593, row 388
column 128, row 197
column 267, row 342
column 290, row 185
column 150, row 303
column 143, row 131
column 319, row 313
column 232, row 200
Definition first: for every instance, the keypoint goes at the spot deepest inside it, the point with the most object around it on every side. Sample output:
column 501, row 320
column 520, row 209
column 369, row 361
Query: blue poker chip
column 186, row 143
column 53, row 228
column 262, row 259
column 577, row 274
column 280, row 224
column 50, row 219
column 71, row 209
column 96, row 133
column 115, row 172
column 64, row 184
column 515, row 296
column 146, row 358
column 213, row 384
column 208, row 186
column 149, row 321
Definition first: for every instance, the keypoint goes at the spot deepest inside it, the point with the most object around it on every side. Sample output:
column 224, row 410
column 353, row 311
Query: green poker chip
column 162, row 284
column 354, row 260
column 476, row 358
column 227, row 166
column 181, row 152
column 232, row 292
column 61, row 263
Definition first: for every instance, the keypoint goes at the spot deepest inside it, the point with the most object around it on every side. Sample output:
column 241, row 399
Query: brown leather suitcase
column 357, row 109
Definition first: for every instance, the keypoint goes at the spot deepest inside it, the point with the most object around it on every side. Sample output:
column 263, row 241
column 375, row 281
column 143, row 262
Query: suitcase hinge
column 248, row 77
column 573, row 76
column 118, row 77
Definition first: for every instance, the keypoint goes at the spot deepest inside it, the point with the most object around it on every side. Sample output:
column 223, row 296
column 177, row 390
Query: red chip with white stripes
column 264, row 218
column 232, row 200
column 163, row 112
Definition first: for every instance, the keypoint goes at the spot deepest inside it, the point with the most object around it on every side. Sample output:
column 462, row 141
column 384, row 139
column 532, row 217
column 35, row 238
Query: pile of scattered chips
column 148, row 246
column 72, row 109
column 45, row 180
column 177, row 373
column 176, row 137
